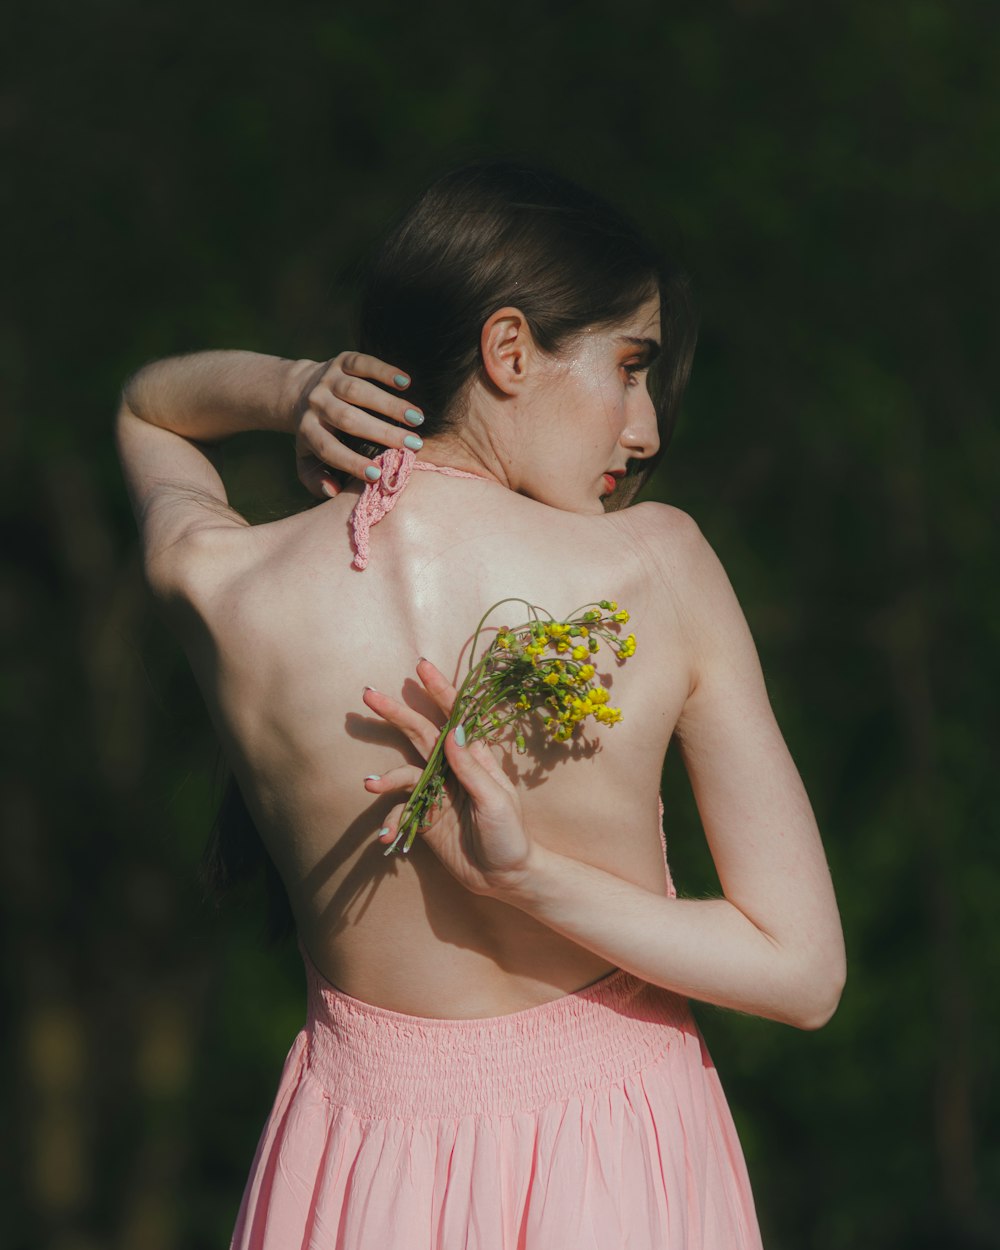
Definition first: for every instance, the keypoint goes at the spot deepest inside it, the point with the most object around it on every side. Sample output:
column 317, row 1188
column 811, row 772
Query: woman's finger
column 331, row 416
column 348, row 404
column 315, row 439
column 314, row 442
column 390, row 825
column 405, row 777
column 420, row 731
column 364, row 366
column 319, row 478
column 478, row 773
column 437, row 685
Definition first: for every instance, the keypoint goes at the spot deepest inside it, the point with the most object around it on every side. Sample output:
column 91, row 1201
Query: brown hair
column 499, row 232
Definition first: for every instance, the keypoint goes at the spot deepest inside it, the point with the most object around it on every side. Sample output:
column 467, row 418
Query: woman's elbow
column 820, row 993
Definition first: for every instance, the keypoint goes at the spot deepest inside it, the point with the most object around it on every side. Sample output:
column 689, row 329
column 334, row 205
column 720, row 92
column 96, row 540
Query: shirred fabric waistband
column 387, row 1065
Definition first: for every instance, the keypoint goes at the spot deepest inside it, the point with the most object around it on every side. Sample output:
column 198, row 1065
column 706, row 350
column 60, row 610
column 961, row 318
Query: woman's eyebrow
column 650, row 347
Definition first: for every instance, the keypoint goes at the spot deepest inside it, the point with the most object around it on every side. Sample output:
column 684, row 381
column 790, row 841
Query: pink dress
column 595, row 1121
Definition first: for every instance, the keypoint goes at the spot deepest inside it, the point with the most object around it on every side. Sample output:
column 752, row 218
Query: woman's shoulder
column 213, row 559
column 668, row 535
column 673, row 548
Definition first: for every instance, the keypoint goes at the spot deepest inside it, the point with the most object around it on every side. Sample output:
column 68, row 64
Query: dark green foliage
column 184, row 176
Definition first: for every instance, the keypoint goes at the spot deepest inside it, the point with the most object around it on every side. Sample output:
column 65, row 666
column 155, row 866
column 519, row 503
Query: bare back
column 286, row 643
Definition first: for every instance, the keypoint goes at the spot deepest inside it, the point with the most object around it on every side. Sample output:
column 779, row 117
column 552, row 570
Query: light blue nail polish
column 373, row 473
column 381, row 831
column 414, row 417
column 374, row 777
column 413, row 442
column 460, row 735
column 401, row 379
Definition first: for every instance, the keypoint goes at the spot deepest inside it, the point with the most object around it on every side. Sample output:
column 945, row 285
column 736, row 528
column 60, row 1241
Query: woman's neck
column 460, row 449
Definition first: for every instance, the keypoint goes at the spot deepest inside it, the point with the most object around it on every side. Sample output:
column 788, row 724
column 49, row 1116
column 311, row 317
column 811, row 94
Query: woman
column 499, row 1050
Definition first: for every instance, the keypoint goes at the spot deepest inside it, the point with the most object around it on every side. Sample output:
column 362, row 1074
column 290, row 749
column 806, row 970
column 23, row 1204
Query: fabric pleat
column 593, row 1121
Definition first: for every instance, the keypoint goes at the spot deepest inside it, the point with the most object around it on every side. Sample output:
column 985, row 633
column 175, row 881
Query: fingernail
column 401, row 379
column 374, row 777
column 413, row 442
column 328, row 490
column 371, row 688
column 414, row 417
column 373, row 473
column 460, row 735
column 382, row 832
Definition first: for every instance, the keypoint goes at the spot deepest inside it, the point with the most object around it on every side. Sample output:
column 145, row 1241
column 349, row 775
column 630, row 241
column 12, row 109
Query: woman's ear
column 508, row 349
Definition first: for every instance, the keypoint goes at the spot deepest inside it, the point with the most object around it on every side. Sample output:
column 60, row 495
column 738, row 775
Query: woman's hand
column 338, row 395
column 478, row 833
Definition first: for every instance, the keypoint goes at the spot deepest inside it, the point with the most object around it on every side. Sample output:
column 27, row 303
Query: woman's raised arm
column 174, row 413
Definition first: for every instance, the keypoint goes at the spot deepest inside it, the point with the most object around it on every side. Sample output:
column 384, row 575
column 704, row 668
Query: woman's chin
column 583, row 501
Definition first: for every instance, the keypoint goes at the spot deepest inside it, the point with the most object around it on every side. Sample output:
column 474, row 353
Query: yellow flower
column 511, row 673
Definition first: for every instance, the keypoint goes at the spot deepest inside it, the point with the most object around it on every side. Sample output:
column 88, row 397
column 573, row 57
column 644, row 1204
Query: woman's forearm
column 705, row 949
column 209, row 396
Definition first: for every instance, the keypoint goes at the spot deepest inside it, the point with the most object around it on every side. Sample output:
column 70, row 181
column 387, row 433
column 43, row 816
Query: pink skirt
column 595, row 1121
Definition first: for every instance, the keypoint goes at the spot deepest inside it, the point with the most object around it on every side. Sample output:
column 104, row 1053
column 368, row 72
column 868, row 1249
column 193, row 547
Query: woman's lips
column 609, row 482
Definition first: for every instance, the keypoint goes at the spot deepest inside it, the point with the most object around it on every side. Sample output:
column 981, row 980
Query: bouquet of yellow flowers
column 543, row 669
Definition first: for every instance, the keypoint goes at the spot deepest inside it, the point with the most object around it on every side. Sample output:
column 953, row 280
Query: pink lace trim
column 380, row 497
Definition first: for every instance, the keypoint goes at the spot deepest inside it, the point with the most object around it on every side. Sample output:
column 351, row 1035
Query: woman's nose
column 642, row 433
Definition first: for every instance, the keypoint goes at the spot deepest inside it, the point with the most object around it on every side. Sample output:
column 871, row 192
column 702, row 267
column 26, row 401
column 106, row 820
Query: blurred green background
column 182, row 175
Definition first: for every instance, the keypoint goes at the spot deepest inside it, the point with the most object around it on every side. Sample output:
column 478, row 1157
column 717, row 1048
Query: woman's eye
column 634, row 369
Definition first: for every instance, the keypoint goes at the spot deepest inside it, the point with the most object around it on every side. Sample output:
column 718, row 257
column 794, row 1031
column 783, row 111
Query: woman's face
column 590, row 413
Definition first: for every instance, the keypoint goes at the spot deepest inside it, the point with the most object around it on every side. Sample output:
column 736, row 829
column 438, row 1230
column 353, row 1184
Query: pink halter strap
column 380, row 497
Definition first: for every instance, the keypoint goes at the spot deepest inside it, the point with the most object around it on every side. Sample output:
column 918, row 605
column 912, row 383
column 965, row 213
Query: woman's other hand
column 478, row 833
column 342, row 395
